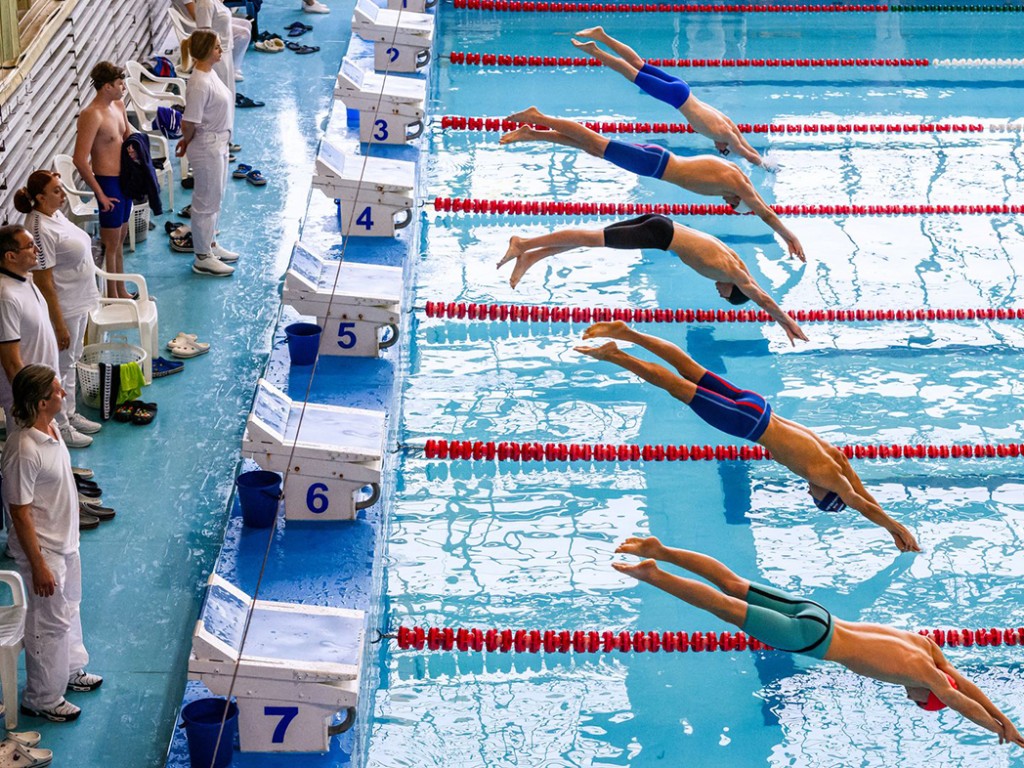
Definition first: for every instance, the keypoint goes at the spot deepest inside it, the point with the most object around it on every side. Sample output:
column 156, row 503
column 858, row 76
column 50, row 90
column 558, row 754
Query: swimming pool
column 528, row 546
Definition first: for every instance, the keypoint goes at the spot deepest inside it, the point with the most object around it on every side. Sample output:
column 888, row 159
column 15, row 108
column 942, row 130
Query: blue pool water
column 529, row 546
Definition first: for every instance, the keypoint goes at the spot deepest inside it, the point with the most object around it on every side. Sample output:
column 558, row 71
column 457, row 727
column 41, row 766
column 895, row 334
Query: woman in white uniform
column 67, row 279
column 234, row 34
column 206, row 131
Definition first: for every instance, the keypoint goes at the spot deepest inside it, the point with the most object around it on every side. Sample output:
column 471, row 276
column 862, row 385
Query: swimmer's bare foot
column 522, row 133
column 643, row 571
column 589, row 47
column 616, row 329
column 524, row 260
column 604, row 352
column 515, row 250
column 641, row 547
column 528, row 115
column 594, row 33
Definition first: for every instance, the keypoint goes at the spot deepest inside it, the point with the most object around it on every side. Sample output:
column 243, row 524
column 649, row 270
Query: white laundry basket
column 89, row 366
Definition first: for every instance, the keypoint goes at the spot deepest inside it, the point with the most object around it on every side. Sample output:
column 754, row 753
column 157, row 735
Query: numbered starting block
column 371, row 191
column 330, row 453
column 357, row 305
column 298, row 670
column 416, row 6
column 391, row 109
column 401, row 38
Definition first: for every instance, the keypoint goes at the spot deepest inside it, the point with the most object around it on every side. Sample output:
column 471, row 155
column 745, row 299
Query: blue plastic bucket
column 201, row 720
column 303, row 342
column 259, row 493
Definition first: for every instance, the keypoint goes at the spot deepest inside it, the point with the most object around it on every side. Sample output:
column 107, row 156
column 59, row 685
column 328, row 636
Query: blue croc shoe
column 255, row 178
column 163, row 367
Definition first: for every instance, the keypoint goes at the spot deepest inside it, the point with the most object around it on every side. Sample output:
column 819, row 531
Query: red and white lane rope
column 564, row 641
column 560, row 208
column 514, row 60
column 479, row 450
column 459, row 310
column 558, row 7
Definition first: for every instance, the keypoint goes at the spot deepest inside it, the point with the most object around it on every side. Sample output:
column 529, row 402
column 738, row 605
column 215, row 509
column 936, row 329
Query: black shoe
column 103, row 514
column 87, row 522
column 188, row 182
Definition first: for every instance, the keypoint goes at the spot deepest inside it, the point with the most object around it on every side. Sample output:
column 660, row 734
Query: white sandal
column 186, row 338
column 185, row 349
column 15, row 755
column 25, row 738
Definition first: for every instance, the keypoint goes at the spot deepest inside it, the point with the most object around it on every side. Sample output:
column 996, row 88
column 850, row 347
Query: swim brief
column 641, row 159
column 652, row 230
column 830, row 502
column 119, row 215
column 788, row 623
column 662, row 86
column 737, row 412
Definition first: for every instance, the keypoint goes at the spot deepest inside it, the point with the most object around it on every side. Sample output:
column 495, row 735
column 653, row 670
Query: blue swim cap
column 830, row 503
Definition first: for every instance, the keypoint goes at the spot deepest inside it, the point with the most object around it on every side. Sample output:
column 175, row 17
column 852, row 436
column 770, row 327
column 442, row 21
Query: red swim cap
column 934, row 704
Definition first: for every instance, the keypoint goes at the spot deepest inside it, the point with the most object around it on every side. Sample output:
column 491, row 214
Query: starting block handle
column 423, row 57
column 344, row 725
column 374, row 497
column 390, row 341
column 405, row 222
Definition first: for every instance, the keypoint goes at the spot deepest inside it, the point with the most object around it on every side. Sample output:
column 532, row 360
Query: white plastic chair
column 144, row 103
column 180, row 23
column 137, row 71
column 120, row 314
column 12, row 635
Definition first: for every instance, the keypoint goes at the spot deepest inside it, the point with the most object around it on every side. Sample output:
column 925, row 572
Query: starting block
column 299, row 668
column 330, row 453
column 417, row 6
column 371, row 191
column 391, row 109
column 358, row 301
column 401, row 38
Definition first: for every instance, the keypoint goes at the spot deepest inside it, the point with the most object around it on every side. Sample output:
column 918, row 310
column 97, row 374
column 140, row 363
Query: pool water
column 529, row 546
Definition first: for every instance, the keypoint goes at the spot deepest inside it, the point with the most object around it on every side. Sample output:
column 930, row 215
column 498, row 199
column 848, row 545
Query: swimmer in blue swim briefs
column 797, row 625
column 705, row 119
column 703, row 175
column 741, row 413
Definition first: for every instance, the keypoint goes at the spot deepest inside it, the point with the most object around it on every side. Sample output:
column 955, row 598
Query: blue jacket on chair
column 138, row 176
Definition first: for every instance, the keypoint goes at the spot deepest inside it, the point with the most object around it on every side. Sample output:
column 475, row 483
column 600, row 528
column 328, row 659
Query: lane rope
column 563, row 641
column 557, row 7
column 569, row 208
column 518, row 60
column 479, row 450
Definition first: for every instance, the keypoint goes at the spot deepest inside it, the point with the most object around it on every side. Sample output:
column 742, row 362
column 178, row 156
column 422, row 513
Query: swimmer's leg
column 628, row 55
column 730, row 609
column 566, row 132
column 613, row 63
column 688, row 368
column 653, row 373
column 528, row 251
column 702, row 565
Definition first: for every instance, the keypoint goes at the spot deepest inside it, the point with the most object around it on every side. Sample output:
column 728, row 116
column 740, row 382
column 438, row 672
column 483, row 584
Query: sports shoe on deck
column 75, row 439
column 63, row 712
column 84, row 425
column 84, row 681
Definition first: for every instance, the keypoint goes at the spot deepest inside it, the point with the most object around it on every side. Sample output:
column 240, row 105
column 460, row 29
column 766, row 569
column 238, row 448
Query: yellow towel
column 132, row 382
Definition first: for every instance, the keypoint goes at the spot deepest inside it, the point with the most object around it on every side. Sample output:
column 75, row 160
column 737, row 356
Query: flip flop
column 186, row 212
column 302, row 49
column 265, row 37
column 241, row 171
column 186, row 349
column 255, row 178
column 244, row 102
column 297, row 28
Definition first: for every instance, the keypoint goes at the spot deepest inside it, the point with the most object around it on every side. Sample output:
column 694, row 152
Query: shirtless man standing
column 797, row 625
column 703, row 118
column 704, row 175
column 831, row 480
column 706, row 255
column 102, row 128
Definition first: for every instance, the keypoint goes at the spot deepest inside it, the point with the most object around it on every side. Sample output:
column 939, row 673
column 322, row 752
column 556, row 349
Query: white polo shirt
column 25, row 318
column 67, row 250
column 37, row 471
column 208, row 103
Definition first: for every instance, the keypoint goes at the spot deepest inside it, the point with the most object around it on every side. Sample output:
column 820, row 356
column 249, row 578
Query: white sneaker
column 223, row 253
column 83, row 425
column 238, row 77
column 312, row 6
column 73, row 438
column 211, row 265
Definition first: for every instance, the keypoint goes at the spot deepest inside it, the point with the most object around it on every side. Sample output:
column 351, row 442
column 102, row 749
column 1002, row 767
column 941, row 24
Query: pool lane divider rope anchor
column 563, row 641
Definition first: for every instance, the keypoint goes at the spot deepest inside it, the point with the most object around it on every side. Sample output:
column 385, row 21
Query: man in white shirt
column 26, row 334
column 39, row 490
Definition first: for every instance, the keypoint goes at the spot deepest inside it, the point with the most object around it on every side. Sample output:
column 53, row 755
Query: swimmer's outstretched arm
column 754, row 292
column 901, row 535
column 769, row 217
column 965, row 688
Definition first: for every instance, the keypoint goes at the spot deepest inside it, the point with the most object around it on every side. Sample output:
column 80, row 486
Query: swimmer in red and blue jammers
column 747, row 415
column 703, row 175
column 705, row 119
column 797, row 625
column 706, row 255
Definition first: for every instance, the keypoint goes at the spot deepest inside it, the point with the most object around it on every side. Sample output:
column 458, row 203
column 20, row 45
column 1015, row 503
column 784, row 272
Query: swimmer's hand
column 643, row 571
column 905, row 541
column 1008, row 733
column 646, row 547
column 793, row 331
column 795, row 249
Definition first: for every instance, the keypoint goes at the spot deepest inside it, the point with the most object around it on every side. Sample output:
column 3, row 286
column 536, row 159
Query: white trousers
column 53, row 629
column 208, row 154
column 67, row 359
column 241, row 36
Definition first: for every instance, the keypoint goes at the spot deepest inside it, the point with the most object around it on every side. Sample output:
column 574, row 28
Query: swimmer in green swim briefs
column 803, row 626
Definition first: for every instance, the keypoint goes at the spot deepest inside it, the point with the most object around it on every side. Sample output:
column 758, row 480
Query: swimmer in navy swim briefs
column 703, row 118
column 121, row 212
column 797, row 625
column 702, row 175
column 748, row 416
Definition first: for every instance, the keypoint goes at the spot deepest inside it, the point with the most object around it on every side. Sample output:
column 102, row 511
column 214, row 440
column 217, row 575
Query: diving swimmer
column 703, row 175
column 706, row 255
column 796, row 625
column 744, row 414
column 705, row 119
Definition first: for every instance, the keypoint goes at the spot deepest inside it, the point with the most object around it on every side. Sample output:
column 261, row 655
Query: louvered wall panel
column 38, row 120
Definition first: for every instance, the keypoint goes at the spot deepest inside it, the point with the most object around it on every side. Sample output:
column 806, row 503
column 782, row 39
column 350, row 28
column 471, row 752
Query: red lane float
column 527, row 313
column 491, row 124
column 478, row 450
column 563, row 641
column 529, row 6
column 566, row 208
column 515, row 60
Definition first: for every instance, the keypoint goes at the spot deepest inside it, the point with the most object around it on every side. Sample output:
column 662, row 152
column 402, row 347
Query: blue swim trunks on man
column 788, row 623
column 641, row 159
column 662, row 86
column 117, row 216
column 737, row 412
